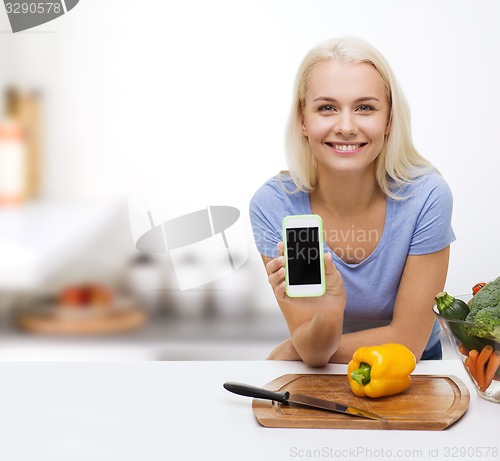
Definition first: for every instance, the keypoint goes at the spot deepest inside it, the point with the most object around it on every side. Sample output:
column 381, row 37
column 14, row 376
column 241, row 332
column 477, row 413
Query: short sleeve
column 266, row 208
column 433, row 229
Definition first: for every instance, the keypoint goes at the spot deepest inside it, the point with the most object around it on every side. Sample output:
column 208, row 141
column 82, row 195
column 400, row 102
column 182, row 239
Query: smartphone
column 304, row 260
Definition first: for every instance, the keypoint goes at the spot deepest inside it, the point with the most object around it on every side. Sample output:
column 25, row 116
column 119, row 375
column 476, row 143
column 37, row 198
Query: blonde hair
column 398, row 162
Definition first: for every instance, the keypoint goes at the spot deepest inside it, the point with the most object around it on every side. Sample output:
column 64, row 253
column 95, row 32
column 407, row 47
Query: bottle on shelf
column 12, row 155
column 20, row 148
column 30, row 119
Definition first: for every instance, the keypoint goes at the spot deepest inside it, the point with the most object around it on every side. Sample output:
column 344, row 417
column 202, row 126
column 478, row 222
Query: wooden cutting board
column 431, row 403
column 82, row 322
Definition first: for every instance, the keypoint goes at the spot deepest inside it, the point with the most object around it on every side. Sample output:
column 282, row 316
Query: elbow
column 316, row 348
column 317, row 356
column 417, row 351
column 314, row 361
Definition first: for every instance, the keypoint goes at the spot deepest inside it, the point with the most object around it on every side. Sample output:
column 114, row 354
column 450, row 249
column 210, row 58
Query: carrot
column 491, row 368
column 471, row 365
column 480, row 365
column 463, row 350
column 477, row 364
column 484, row 355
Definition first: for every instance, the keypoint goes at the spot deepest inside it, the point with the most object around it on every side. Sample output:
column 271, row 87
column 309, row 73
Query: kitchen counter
column 249, row 337
column 180, row 411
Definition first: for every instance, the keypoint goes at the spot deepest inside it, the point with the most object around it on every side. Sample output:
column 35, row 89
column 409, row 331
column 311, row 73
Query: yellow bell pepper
column 379, row 371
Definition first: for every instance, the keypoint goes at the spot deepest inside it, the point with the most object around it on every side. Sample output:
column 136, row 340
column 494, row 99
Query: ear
column 303, row 125
column 389, row 124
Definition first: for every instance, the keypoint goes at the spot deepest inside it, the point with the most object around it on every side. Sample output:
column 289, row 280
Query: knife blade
column 299, row 399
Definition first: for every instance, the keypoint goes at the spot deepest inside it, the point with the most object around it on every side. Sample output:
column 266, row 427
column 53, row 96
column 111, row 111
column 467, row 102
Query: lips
column 346, row 148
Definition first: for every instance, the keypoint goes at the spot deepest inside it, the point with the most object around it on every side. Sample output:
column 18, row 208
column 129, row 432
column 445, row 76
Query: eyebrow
column 363, row 99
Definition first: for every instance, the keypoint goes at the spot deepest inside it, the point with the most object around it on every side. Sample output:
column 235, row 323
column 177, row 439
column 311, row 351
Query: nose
column 345, row 124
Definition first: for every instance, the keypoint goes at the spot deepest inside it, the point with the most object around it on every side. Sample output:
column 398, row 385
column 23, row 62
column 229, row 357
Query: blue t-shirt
column 419, row 224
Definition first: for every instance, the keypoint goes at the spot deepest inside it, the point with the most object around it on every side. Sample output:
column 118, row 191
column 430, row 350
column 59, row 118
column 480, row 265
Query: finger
column 330, row 267
column 281, row 249
column 275, row 264
column 334, row 281
column 280, row 291
column 276, row 278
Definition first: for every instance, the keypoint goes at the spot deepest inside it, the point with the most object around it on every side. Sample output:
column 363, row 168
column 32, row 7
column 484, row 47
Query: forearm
column 319, row 338
column 315, row 323
column 349, row 343
column 382, row 335
column 412, row 320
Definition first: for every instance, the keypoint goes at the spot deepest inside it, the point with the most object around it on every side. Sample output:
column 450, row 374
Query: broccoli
column 486, row 323
column 485, row 312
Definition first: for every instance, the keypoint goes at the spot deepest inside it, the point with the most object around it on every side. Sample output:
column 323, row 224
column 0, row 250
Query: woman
column 386, row 212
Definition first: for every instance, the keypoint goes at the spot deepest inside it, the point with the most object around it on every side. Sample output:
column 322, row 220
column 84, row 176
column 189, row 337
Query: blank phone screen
column 303, row 255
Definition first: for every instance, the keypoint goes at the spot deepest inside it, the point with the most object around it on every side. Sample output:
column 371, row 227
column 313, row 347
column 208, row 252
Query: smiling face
column 345, row 115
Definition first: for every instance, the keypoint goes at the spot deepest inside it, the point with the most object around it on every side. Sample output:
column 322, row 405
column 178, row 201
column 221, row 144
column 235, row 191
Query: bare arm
column 315, row 324
column 422, row 278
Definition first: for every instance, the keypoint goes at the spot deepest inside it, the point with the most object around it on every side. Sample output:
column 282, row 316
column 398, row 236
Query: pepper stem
column 362, row 374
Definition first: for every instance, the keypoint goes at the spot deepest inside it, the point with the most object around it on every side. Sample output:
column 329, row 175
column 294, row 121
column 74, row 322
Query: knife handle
column 256, row 392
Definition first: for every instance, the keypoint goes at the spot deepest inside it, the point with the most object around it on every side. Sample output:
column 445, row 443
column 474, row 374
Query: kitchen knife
column 299, row 399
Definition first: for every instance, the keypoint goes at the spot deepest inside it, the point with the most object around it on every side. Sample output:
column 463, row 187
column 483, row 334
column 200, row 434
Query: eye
column 326, row 108
column 366, row 108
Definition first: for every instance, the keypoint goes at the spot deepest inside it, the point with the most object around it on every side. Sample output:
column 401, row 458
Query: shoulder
column 427, row 188
column 276, row 198
column 278, row 192
column 428, row 211
column 432, row 181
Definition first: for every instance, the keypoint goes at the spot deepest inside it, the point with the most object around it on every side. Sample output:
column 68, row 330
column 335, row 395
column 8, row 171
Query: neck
column 346, row 194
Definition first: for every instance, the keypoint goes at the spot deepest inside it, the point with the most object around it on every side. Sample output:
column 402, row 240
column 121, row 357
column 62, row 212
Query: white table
column 179, row 411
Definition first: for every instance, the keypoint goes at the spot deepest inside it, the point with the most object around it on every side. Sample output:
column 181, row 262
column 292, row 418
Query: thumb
column 329, row 266
column 281, row 249
column 334, row 281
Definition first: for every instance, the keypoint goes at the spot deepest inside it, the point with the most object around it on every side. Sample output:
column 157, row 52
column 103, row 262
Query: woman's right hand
column 334, row 294
column 315, row 323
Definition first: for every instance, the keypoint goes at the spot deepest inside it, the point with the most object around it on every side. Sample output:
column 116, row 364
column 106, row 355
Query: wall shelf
column 42, row 237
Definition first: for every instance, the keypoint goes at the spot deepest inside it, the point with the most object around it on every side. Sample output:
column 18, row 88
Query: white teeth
column 346, row 147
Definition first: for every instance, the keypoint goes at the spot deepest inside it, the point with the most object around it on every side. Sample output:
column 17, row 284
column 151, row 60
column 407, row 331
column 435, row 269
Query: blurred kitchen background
column 183, row 106
column 73, row 286
column 102, row 107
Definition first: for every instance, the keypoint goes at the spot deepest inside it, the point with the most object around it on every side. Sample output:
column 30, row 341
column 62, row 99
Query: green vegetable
column 452, row 309
column 485, row 312
column 487, row 323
